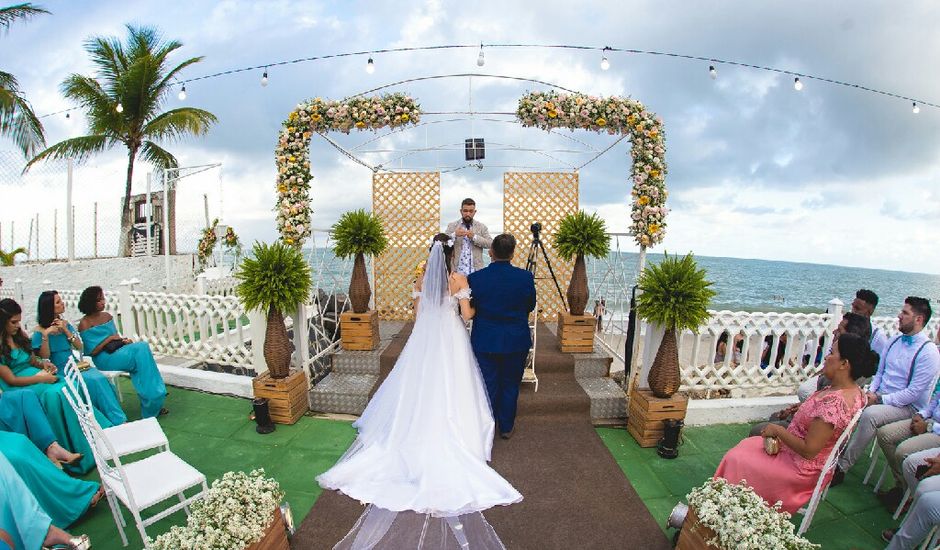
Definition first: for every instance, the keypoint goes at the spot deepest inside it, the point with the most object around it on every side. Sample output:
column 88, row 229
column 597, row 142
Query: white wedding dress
column 425, row 439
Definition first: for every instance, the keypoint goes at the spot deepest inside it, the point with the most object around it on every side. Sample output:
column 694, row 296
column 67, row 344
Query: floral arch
column 546, row 110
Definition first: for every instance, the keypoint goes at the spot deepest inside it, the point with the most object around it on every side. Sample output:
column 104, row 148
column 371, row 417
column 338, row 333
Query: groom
column 503, row 296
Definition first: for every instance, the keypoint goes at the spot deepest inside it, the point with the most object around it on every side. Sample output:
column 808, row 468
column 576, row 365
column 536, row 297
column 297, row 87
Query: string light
column 480, row 59
column 182, row 94
column 264, row 79
column 712, row 72
column 370, row 66
column 119, row 108
column 797, row 85
column 916, row 108
column 605, row 64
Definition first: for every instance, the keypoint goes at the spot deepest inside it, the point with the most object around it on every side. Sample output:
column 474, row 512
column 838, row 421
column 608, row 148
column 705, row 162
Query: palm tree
column 9, row 258
column 123, row 106
column 17, row 119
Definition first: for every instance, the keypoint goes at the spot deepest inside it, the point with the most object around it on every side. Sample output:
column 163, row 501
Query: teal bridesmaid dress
column 21, row 412
column 65, row 426
column 63, row 497
column 102, row 393
column 136, row 359
column 20, row 514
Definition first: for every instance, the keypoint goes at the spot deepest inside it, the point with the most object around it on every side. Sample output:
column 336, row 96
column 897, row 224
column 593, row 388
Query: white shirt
column 891, row 380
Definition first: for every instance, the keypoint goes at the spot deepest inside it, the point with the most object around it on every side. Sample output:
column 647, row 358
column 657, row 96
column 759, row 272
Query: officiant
column 470, row 238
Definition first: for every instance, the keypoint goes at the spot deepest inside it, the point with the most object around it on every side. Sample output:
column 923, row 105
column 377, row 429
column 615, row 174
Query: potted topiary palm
column 675, row 296
column 580, row 235
column 358, row 233
column 274, row 280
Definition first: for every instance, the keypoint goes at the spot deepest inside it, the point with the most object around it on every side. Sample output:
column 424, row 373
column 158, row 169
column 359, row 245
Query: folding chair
column 822, row 484
column 127, row 438
column 932, row 542
column 138, row 485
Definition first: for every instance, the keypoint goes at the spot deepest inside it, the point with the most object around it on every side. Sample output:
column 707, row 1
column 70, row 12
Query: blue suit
column 503, row 296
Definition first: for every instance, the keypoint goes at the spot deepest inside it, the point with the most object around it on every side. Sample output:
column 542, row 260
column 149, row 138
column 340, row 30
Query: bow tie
column 907, row 339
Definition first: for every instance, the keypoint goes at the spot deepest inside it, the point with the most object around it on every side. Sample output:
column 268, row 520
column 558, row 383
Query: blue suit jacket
column 503, row 296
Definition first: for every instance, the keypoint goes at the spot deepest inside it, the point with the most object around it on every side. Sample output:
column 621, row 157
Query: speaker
column 475, row 149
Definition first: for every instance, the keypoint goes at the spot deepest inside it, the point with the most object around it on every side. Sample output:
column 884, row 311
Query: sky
column 829, row 174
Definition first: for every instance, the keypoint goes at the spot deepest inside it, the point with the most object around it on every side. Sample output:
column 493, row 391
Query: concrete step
column 608, row 401
column 342, row 393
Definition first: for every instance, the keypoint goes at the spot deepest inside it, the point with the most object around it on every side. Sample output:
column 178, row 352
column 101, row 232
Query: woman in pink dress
column 790, row 475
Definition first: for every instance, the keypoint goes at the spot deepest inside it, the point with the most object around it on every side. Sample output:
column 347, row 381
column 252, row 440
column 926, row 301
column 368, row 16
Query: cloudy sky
column 829, row 174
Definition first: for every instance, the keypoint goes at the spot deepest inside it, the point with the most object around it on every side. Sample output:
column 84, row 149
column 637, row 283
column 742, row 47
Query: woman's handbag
column 113, row 346
column 771, row 445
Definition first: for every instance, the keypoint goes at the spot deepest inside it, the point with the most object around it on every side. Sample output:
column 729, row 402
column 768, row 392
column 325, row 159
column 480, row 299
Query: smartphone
column 921, row 470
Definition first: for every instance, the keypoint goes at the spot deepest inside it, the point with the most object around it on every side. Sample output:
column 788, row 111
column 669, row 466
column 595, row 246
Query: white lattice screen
column 544, row 197
column 409, row 204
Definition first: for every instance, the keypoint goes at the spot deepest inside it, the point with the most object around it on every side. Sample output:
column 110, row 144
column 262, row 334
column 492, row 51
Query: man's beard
column 468, row 220
column 906, row 329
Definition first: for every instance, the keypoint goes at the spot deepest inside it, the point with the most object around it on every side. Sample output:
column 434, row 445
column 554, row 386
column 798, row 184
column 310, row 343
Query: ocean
column 741, row 284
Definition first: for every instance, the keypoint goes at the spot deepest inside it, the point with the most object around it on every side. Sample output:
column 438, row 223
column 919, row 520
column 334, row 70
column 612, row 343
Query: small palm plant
column 675, row 296
column 581, row 235
column 9, row 258
column 358, row 233
column 274, row 279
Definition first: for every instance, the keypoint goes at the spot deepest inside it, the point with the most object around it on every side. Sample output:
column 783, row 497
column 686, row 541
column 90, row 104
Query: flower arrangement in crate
column 734, row 516
column 237, row 511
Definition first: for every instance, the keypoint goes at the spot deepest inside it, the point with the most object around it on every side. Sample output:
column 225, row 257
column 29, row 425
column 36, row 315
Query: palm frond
column 176, row 123
column 11, row 14
column 675, row 293
column 17, row 119
column 358, row 232
column 79, row 149
column 580, row 234
column 9, row 258
column 276, row 275
column 174, row 72
column 157, row 156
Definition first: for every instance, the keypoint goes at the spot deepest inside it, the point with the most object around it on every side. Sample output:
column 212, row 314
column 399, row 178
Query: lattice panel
column 544, row 197
column 409, row 204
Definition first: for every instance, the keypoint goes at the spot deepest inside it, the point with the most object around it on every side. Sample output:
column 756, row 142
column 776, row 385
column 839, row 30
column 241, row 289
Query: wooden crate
column 647, row 412
column 694, row 535
column 287, row 397
column 359, row 331
column 275, row 536
column 576, row 333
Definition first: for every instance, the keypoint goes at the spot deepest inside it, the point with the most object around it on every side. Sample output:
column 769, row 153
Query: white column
column 147, row 208
column 126, row 309
column 257, row 324
column 301, row 333
column 166, row 229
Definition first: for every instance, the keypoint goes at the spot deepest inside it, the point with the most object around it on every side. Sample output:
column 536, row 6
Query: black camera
column 536, row 227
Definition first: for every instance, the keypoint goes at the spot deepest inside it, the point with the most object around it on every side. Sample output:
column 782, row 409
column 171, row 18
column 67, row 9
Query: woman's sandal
column 96, row 498
column 81, row 542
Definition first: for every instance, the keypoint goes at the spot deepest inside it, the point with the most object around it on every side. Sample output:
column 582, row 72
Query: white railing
column 221, row 286
column 7, row 292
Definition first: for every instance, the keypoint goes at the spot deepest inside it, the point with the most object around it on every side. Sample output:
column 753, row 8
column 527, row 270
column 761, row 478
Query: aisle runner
column 576, row 496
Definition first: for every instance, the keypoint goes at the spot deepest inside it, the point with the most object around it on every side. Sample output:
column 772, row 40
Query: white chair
column 822, row 484
column 138, row 485
column 127, row 438
column 932, row 542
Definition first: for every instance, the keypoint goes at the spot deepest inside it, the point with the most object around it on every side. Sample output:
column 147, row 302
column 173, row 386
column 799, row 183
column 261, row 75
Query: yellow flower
column 631, row 119
column 282, row 188
column 643, row 200
column 290, row 128
column 405, row 117
column 289, row 240
column 654, row 173
column 550, row 106
column 654, row 132
column 360, row 124
column 292, row 158
column 552, row 113
column 419, row 270
column 316, row 117
column 601, row 121
column 644, row 240
column 654, row 228
column 292, row 117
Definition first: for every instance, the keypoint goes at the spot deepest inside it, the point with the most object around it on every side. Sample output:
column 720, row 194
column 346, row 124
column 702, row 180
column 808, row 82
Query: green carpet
column 850, row 517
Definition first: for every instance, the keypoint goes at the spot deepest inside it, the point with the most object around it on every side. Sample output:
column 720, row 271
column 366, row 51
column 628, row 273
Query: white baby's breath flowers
column 742, row 520
column 234, row 514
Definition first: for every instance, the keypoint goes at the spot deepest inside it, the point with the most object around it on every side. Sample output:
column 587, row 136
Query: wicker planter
column 359, row 290
column 277, row 347
column 275, row 537
column 577, row 294
column 694, row 535
column 664, row 376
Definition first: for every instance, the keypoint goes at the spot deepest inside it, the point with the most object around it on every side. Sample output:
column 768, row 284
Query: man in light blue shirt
column 903, row 383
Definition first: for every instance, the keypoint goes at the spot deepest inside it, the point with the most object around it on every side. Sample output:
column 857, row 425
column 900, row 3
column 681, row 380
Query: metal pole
column 95, row 231
column 38, row 255
column 166, row 225
column 148, row 214
column 205, row 206
column 641, row 264
column 55, row 233
column 70, row 214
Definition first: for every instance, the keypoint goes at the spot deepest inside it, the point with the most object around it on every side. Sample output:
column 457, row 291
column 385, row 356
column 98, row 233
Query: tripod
column 531, row 263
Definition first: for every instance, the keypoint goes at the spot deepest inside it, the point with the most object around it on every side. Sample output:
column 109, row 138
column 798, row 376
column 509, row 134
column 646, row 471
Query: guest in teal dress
column 55, row 339
column 112, row 352
column 23, row 520
column 20, row 412
column 23, row 371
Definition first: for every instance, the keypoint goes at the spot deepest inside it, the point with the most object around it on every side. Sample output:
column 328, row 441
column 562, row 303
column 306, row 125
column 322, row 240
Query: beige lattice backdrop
column 409, row 204
column 543, row 197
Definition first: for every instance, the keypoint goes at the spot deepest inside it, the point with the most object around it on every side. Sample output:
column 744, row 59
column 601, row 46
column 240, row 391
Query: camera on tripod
column 535, row 227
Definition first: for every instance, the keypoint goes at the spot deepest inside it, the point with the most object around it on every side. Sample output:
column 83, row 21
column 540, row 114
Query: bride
column 420, row 459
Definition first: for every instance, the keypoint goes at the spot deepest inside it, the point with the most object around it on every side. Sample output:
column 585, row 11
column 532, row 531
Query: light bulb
column 182, row 94
column 66, row 115
column 712, row 72
column 797, row 85
column 480, row 60
column 605, row 64
column 916, row 109
column 119, row 108
column 264, row 79
column 370, row 66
